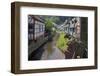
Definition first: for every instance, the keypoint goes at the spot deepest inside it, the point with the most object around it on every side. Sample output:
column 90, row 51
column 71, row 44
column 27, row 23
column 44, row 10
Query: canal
column 48, row 51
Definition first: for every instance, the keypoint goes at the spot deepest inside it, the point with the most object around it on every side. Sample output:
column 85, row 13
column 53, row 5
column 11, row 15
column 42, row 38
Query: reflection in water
column 51, row 51
column 48, row 47
column 48, row 51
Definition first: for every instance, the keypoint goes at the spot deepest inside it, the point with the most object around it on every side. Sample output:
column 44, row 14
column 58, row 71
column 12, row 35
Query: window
column 30, row 27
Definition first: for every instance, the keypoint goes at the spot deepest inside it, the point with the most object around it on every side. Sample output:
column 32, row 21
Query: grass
column 61, row 42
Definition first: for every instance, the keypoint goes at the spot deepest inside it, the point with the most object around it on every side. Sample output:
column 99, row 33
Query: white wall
column 5, row 42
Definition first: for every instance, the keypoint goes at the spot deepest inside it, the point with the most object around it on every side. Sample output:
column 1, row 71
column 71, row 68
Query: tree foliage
column 49, row 22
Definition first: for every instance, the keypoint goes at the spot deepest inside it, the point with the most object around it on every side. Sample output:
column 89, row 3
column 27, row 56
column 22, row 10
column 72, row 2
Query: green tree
column 49, row 24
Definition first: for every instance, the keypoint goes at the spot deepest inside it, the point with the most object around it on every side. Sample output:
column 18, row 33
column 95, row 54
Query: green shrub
column 62, row 42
